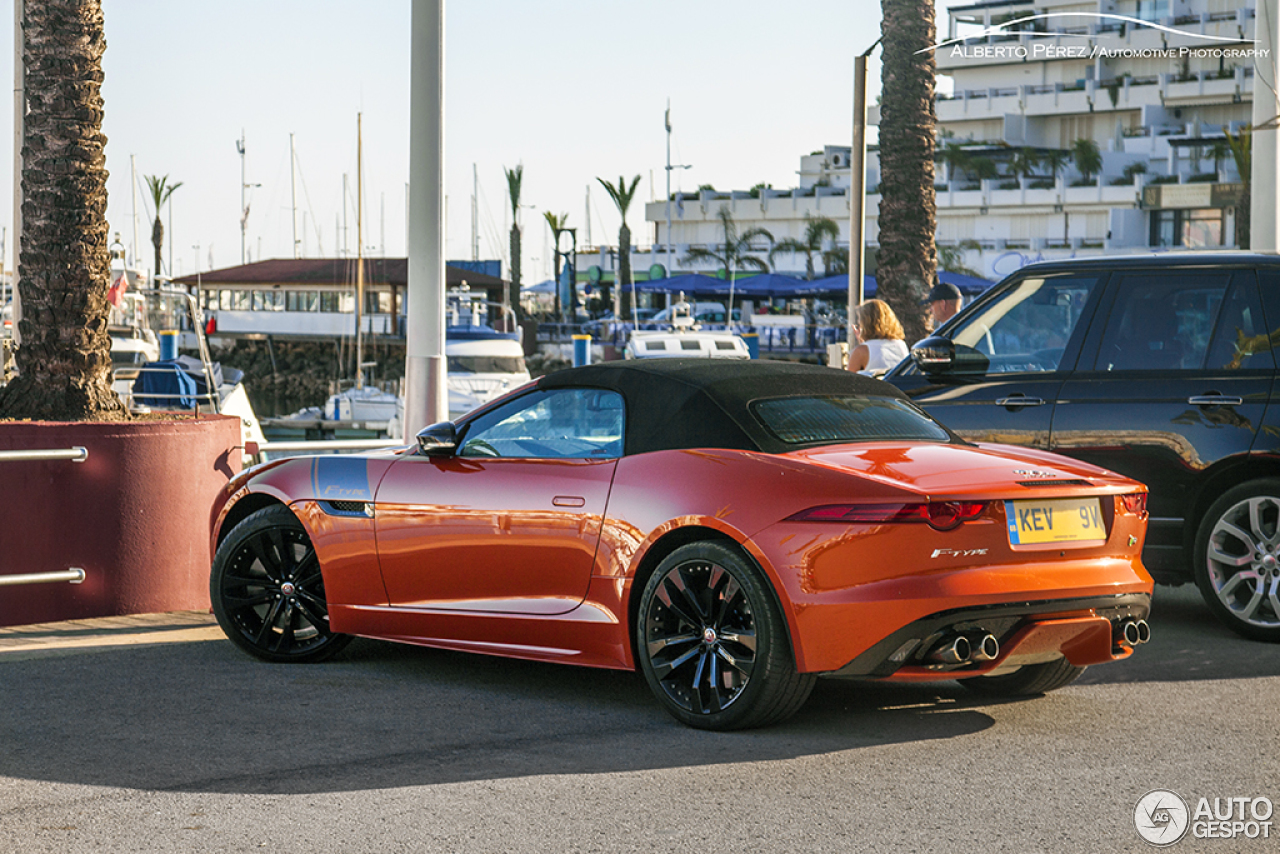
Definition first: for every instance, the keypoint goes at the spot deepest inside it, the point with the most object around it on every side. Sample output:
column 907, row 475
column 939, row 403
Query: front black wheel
column 713, row 646
column 1237, row 557
column 268, row 592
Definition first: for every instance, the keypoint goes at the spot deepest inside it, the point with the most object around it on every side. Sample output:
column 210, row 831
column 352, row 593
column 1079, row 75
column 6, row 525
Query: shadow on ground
column 204, row 717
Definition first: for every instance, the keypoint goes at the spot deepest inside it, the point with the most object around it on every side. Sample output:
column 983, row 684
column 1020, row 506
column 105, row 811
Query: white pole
column 19, row 113
column 858, row 190
column 426, row 396
column 1264, row 226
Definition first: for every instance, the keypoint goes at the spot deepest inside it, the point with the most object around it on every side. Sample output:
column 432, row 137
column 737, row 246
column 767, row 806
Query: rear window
column 834, row 419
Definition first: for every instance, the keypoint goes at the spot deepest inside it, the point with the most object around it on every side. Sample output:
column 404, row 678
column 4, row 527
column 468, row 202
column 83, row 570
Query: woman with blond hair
column 882, row 346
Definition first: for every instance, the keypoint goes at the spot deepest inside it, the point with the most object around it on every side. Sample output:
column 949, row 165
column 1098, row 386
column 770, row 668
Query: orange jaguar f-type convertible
column 732, row 529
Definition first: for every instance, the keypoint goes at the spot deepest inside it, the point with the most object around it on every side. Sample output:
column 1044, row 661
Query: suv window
column 1241, row 341
column 1027, row 327
column 1162, row 321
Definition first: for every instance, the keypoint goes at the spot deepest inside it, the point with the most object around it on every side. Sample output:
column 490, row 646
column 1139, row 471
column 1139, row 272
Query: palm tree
column 957, row 160
column 1242, row 152
column 1055, row 159
column 1024, row 162
column 515, row 177
column 906, row 263
column 736, row 254
column 622, row 196
column 161, row 190
column 557, row 224
column 817, row 231
column 64, row 269
column 1087, row 158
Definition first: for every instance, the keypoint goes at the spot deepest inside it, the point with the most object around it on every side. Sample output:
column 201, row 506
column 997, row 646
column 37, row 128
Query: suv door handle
column 1019, row 401
column 1215, row 400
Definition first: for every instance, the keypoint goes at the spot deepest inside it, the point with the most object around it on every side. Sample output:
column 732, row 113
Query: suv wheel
column 1237, row 559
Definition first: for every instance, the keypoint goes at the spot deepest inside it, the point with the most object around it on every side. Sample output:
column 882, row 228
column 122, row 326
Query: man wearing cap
column 943, row 301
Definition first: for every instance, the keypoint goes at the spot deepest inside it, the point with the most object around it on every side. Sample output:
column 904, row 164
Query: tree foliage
column 161, row 190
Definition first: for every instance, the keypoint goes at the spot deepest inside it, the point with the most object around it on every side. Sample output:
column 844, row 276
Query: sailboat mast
column 359, row 251
column 293, row 197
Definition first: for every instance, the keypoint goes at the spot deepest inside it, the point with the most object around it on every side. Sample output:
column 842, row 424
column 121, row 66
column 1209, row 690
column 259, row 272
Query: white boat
column 484, row 362
column 365, row 403
column 685, row 339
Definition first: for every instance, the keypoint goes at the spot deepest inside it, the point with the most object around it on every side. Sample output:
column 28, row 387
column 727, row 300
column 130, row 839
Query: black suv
column 1161, row 368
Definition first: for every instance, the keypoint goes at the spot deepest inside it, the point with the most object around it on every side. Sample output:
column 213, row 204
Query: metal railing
column 74, row 575
column 257, row 451
column 75, row 454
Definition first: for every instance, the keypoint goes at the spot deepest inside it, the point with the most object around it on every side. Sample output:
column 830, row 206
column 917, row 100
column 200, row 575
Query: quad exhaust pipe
column 1133, row 632
column 962, row 649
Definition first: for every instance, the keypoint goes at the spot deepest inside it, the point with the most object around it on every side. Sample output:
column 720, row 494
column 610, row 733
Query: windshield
column 835, row 419
column 486, row 365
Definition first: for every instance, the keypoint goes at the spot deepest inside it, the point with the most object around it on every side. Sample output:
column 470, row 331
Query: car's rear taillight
column 1134, row 503
column 940, row 515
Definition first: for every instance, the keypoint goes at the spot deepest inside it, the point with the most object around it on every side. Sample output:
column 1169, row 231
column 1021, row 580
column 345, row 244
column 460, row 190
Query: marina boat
column 147, row 382
column 685, row 338
column 484, row 361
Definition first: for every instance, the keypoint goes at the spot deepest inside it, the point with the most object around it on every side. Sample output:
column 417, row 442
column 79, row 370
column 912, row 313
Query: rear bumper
column 1084, row 630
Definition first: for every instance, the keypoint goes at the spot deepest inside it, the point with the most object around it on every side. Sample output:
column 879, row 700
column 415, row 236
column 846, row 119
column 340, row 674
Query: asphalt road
column 191, row 746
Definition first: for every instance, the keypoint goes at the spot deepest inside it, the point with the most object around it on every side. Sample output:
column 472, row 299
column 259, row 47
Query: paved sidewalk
column 74, row 637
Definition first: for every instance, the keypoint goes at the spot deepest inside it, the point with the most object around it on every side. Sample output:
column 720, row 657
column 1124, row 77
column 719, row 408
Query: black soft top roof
column 702, row 403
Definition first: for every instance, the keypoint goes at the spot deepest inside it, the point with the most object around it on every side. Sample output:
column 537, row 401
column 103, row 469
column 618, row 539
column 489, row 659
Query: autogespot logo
column 1161, row 817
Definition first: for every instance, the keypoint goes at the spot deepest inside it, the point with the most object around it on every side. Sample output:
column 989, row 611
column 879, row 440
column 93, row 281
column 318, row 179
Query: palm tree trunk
column 907, row 262
column 515, row 273
column 624, row 270
column 157, row 240
column 64, row 267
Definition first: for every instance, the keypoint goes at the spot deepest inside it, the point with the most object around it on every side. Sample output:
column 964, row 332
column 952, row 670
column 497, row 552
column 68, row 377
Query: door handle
column 569, row 501
column 1019, row 401
column 1215, row 400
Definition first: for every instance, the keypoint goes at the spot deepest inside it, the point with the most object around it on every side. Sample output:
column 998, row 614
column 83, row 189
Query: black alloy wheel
column 713, row 646
column 1237, row 559
column 268, row 592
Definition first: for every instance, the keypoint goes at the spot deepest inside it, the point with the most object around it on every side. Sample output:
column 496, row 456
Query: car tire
column 1027, row 680
column 268, row 592
column 1237, row 559
column 712, row 643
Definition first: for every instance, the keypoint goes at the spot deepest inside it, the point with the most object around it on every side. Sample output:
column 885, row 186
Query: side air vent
column 347, row 508
column 1035, row 483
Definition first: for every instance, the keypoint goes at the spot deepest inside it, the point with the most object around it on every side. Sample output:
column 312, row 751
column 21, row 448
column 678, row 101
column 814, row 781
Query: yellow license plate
column 1055, row 520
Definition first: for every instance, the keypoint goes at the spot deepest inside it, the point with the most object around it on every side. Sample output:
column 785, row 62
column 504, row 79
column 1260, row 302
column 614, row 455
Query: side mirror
column 438, row 439
column 939, row 355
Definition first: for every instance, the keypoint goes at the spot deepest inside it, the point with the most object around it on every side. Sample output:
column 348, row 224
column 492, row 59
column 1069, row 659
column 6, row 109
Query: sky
column 571, row 89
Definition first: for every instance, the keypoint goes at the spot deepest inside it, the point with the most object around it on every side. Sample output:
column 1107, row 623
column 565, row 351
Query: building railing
column 256, row 452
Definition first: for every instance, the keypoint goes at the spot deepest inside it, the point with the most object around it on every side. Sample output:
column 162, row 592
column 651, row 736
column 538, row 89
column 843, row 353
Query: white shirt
column 884, row 353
